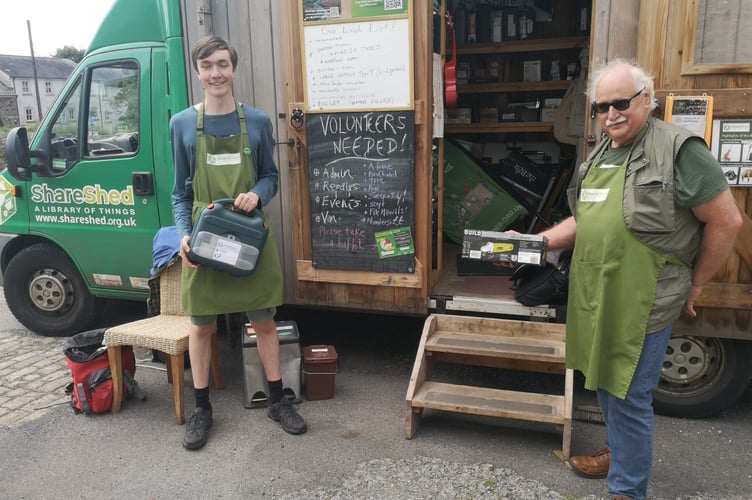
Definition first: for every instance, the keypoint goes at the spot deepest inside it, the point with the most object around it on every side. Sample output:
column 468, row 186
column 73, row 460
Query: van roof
column 130, row 21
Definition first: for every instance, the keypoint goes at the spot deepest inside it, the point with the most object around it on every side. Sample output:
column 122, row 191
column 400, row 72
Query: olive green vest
column 651, row 213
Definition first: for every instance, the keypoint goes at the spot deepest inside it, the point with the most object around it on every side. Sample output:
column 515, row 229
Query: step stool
column 499, row 343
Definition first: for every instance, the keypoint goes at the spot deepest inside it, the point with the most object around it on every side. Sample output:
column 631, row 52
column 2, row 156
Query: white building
column 17, row 84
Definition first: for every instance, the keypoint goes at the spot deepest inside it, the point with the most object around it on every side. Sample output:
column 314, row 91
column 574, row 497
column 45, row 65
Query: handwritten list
column 361, row 176
column 358, row 65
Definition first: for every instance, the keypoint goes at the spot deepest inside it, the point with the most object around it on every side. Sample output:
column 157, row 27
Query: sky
column 54, row 24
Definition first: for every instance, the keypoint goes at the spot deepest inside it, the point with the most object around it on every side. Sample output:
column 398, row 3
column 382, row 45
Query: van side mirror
column 17, row 153
column 18, row 156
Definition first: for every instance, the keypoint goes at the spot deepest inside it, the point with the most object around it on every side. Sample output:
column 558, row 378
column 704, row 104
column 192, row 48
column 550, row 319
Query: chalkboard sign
column 356, row 65
column 361, row 176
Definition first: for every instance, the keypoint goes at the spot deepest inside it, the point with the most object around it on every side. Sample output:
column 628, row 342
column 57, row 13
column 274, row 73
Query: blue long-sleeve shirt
column 183, row 141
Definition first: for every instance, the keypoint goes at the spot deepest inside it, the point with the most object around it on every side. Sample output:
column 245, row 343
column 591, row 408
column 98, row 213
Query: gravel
column 432, row 478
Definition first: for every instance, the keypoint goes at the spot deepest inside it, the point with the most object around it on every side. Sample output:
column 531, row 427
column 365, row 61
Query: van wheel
column 45, row 292
column 702, row 376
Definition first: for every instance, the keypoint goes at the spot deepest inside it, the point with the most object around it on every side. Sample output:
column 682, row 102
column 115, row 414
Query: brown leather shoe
column 620, row 497
column 593, row 466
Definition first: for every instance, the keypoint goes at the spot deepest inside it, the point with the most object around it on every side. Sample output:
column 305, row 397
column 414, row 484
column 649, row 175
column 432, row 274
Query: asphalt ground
column 47, row 451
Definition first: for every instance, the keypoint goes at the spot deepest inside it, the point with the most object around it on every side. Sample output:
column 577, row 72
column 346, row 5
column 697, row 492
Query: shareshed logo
column 7, row 201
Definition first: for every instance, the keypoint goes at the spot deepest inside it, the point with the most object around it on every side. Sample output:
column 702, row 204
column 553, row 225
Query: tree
column 70, row 52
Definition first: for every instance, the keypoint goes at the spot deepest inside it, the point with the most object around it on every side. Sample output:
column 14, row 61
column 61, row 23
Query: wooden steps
column 519, row 345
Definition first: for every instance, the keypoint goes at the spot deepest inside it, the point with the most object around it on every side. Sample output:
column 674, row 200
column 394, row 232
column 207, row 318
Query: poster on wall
column 372, row 8
column 695, row 113
column 358, row 65
column 321, row 10
column 732, row 147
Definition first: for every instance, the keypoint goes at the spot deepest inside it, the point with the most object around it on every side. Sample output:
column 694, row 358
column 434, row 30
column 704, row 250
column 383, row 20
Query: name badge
column 593, row 195
column 223, row 159
column 608, row 165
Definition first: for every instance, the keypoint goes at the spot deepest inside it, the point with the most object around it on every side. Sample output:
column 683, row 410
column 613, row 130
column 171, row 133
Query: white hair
column 641, row 78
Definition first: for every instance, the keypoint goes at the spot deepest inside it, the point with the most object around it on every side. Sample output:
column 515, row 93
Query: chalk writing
column 360, row 176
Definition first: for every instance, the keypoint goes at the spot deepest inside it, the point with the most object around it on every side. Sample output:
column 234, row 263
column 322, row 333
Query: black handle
column 231, row 201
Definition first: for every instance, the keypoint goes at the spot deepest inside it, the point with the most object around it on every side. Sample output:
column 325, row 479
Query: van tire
column 702, row 376
column 45, row 292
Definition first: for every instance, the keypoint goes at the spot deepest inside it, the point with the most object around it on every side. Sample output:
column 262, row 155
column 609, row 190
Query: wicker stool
column 167, row 333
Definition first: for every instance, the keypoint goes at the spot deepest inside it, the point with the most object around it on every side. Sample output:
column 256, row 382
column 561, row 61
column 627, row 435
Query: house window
column 713, row 48
column 48, row 88
column 25, row 86
column 29, row 114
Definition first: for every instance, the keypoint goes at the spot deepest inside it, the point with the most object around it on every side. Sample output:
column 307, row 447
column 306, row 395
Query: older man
column 653, row 220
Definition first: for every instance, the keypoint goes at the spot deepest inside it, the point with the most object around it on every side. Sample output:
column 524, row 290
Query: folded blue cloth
column 165, row 246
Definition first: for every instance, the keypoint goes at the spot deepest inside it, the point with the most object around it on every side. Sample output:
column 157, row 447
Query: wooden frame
column 689, row 67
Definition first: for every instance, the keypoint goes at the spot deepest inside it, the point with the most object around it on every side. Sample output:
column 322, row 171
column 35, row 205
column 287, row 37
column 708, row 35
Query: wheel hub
column 687, row 360
column 51, row 291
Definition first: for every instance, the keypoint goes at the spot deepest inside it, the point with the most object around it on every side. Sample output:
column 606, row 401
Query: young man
column 653, row 220
column 223, row 149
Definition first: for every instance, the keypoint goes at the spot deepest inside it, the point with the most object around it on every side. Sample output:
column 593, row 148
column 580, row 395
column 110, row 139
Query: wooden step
column 528, row 406
column 493, row 345
column 499, row 343
column 470, row 340
column 491, row 327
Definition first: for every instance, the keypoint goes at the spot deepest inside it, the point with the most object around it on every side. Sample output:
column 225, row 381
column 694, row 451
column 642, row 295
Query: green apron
column 613, row 280
column 224, row 169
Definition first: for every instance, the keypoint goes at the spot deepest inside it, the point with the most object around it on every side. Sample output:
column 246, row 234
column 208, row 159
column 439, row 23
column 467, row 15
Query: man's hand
column 689, row 304
column 246, row 201
column 184, row 249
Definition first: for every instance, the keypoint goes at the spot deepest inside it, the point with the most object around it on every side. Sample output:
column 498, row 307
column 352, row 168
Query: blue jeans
column 629, row 421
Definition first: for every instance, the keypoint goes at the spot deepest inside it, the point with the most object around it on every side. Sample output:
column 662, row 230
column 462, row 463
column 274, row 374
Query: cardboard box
column 548, row 114
column 503, row 247
column 472, row 198
column 489, row 115
column 458, row 115
column 531, row 71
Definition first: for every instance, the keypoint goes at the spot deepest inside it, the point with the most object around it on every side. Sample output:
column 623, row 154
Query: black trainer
column 197, row 429
column 284, row 413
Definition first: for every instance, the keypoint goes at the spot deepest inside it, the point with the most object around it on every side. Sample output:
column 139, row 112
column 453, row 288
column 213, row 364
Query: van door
column 98, row 202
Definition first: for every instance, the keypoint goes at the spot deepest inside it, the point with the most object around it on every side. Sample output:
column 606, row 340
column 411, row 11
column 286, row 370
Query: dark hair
column 207, row 45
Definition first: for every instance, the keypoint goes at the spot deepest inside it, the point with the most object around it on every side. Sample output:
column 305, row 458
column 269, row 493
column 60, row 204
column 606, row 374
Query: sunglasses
column 618, row 104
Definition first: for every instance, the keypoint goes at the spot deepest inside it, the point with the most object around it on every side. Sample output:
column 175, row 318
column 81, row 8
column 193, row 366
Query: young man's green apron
column 612, row 282
column 224, row 169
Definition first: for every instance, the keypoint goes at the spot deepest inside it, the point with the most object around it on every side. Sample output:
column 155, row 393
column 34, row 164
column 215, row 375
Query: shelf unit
column 516, row 47
column 498, row 86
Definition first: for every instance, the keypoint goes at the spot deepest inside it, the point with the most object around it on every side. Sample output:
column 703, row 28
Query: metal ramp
column 499, row 343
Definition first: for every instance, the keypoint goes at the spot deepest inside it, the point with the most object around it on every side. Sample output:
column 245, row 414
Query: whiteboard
column 363, row 64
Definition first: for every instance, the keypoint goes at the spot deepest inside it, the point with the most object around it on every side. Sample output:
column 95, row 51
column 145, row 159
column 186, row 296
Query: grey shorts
column 257, row 316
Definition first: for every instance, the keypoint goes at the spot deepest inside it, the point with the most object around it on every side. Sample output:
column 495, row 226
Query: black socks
column 275, row 390
column 202, row 398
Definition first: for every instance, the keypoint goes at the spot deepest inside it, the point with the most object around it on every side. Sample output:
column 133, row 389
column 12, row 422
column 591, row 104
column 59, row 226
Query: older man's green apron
column 612, row 282
column 224, row 169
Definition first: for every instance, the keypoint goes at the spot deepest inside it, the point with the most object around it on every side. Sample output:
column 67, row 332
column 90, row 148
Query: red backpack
column 91, row 389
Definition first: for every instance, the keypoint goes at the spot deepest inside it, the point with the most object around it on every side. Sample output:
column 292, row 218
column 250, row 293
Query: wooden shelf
column 532, row 45
column 497, row 128
column 484, row 88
